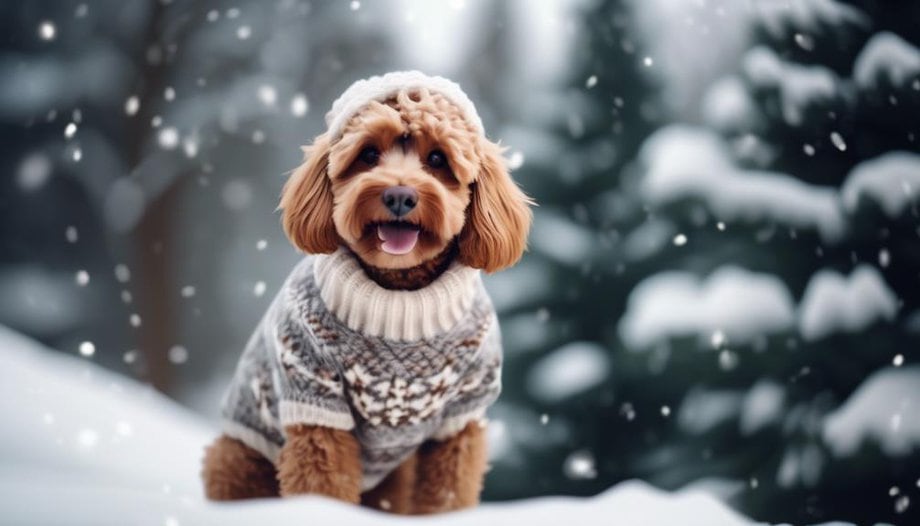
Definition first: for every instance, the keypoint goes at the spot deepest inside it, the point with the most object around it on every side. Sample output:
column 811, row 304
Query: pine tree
column 576, row 281
column 819, row 107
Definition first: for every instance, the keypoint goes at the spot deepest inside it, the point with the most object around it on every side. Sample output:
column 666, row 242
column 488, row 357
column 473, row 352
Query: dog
column 369, row 376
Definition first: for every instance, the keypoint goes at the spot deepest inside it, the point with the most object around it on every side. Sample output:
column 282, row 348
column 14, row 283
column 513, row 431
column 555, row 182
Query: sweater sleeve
column 310, row 387
column 479, row 388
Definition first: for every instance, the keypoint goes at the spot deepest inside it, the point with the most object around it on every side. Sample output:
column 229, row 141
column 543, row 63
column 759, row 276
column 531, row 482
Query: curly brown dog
column 368, row 379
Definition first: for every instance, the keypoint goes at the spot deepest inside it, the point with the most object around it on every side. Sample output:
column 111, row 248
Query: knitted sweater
column 394, row 367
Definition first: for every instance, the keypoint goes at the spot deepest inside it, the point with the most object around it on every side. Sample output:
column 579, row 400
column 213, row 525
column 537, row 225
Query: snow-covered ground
column 81, row 445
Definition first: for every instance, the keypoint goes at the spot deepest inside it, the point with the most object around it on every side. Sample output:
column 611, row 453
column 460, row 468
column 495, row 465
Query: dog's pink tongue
column 397, row 239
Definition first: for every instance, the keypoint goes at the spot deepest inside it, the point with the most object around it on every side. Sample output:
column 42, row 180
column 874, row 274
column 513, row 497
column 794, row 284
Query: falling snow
column 177, row 354
column 838, row 141
column 132, row 105
column 267, row 95
column 87, row 349
column 580, row 465
column 47, row 30
column 122, row 273
column 87, row 438
column 168, row 138
column 805, row 42
column 516, row 160
column 299, row 105
column 232, row 136
column 884, row 258
column 34, row 172
column 71, row 234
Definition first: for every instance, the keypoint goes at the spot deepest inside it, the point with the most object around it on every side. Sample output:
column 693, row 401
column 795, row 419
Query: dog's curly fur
column 469, row 210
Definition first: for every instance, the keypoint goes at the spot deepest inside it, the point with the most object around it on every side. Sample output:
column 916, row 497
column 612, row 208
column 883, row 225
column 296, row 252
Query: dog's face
column 407, row 178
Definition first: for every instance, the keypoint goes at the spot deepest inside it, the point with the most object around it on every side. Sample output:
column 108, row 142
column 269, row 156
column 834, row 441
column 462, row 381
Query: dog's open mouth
column 398, row 237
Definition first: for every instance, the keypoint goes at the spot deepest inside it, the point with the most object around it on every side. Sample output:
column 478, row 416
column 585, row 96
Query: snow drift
column 82, row 445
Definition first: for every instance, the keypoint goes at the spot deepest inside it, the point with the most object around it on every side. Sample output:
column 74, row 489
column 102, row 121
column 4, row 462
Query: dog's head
column 402, row 177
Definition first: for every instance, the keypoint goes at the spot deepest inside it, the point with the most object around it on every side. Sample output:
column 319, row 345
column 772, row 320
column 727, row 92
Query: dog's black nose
column 400, row 200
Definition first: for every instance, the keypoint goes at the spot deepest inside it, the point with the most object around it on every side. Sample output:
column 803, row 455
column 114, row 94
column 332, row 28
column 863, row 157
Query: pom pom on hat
column 382, row 87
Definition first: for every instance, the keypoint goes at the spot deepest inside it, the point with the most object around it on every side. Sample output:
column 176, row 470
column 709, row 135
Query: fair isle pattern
column 304, row 365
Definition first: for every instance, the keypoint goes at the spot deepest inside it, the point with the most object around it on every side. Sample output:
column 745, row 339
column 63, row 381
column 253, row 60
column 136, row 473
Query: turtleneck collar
column 404, row 315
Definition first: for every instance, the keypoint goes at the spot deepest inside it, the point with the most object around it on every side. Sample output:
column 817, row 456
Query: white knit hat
column 383, row 87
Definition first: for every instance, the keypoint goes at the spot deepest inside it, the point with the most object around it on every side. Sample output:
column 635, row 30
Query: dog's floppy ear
column 306, row 202
column 498, row 218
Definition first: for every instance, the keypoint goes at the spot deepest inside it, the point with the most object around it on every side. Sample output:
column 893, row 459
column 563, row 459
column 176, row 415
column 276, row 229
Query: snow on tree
column 803, row 173
column 730, row 304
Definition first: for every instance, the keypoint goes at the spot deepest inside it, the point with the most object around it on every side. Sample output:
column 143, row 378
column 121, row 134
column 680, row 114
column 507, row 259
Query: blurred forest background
column 723, row 286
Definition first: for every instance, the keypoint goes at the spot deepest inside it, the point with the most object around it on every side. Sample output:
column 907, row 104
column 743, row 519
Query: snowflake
column 168, row 138
column 177, row 354
column 580, row 465
column 267, row 95
column 87, row 349
column 87, row 438
column 299, row 105
column 122, row 273
column 47, row 30
column 838, row 141
column 33, row 172
column 71, row 234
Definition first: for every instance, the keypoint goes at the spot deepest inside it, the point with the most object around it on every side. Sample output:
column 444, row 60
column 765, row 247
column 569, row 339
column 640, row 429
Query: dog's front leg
column 450, row 472
column 322, row 461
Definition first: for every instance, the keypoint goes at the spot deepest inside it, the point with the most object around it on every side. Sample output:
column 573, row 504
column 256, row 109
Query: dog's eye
column 369, row 155
column 437, row 159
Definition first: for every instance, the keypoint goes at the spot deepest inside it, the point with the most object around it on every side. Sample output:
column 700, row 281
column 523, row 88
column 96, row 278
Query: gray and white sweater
column 396, row 368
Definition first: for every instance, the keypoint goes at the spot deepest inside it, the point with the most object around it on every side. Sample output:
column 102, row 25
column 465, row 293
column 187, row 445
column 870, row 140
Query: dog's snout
column 400, row 200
